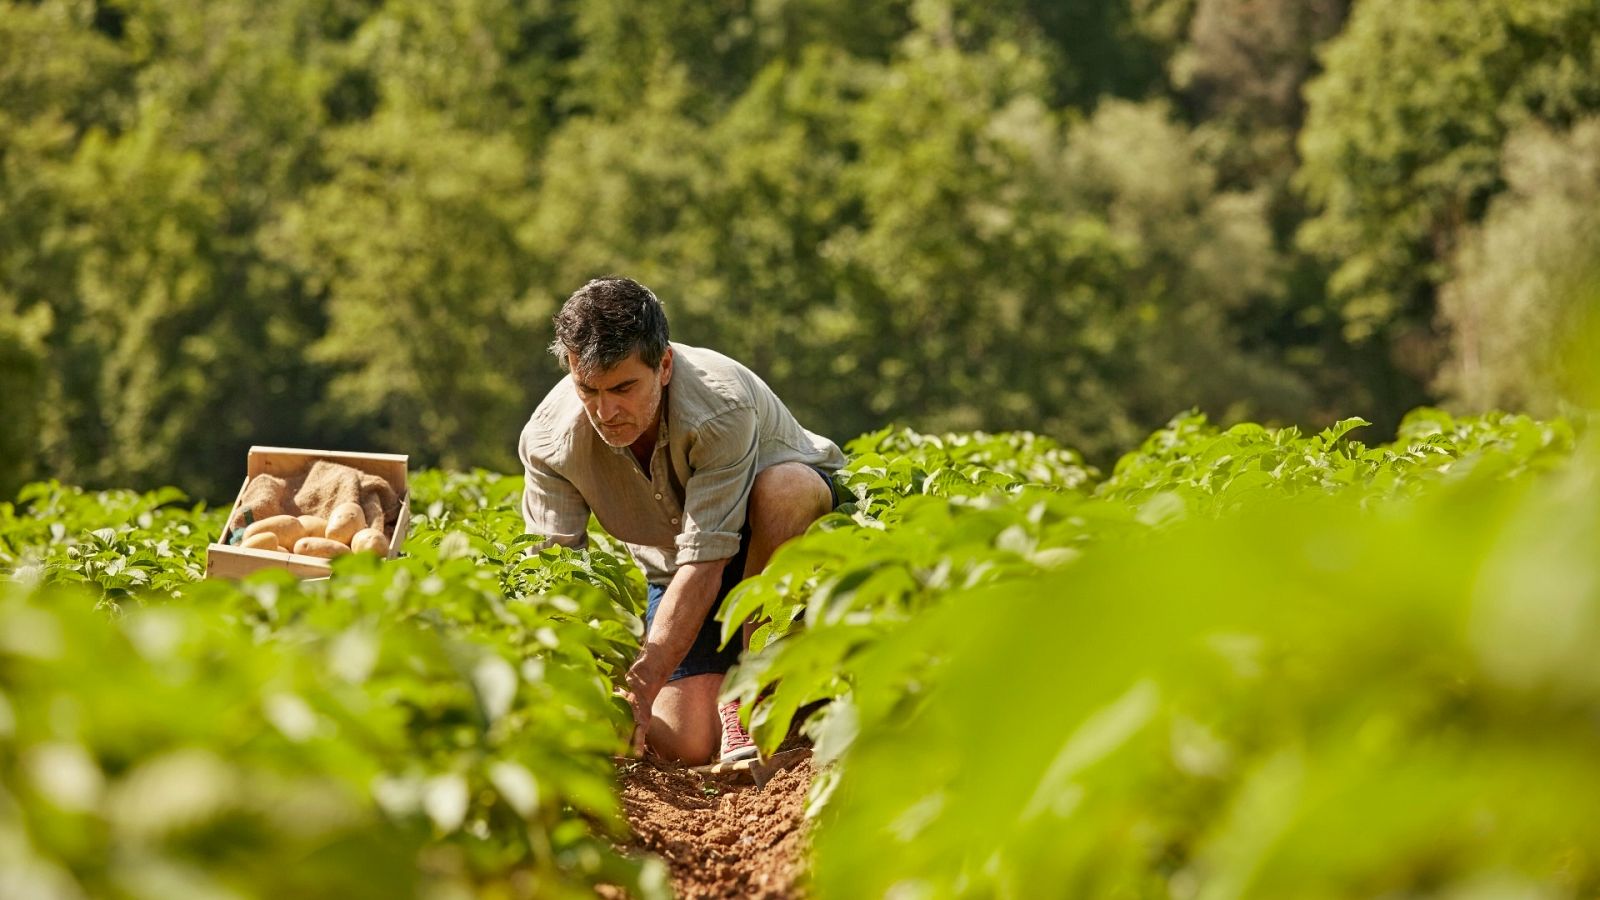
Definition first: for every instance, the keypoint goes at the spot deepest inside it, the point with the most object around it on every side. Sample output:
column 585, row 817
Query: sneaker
column 736, row 743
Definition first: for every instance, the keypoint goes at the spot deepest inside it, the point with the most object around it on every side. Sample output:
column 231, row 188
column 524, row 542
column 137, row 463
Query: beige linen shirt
column 720, row 425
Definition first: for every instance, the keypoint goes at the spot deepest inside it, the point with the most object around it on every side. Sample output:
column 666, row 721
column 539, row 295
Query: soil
column 720, row 835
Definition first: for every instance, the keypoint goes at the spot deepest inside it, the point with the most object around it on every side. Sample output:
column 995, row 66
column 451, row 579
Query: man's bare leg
column 683, row 722
column 785, row 500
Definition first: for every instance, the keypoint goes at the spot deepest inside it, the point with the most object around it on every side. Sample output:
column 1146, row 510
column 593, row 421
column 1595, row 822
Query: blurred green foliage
column 941, row 515
column 1525, row 288
column 1311, row 699
column 436, row 725
column 1249, row 662
column 346, row 224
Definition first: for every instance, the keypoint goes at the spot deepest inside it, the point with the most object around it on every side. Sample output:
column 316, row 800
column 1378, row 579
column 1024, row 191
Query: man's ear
column 666, row 367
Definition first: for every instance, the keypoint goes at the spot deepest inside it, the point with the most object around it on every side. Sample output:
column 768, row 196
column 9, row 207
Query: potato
column 345, row 520
column 315, row 526
column 264, row 540
column 371, row 540
column 323, row 547
column 287, row 529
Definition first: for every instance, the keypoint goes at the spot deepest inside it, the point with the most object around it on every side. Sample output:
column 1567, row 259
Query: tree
column 171, row 328
column 1521, row 275
column 1035, row 273
column 1244, row 61
column 927, row 241
column 413, row 248
column 22, row 385
column 1404, row 130
column 772, row 286
column 60, row 78
column 713, row 51
column 1196, row 261
column 507, row 70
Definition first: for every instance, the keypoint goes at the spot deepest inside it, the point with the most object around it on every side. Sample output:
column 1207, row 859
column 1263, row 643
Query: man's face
column 624, row 401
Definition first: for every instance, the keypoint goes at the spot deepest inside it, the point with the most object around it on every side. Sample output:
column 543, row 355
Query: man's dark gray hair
column 606, row 320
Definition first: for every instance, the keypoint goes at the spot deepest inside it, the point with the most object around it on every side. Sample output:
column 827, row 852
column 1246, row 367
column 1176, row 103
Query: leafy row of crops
column 437, row 725
column 1247, row 663
column 1244, row 662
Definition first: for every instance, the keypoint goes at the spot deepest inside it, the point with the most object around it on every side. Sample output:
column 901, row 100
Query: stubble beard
column 631, row 433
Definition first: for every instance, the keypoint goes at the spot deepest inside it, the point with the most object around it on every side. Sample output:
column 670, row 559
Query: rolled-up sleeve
column 551, row 506
column 723, row 469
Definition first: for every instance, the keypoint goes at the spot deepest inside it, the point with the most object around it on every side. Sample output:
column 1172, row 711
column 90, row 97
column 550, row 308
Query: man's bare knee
column 784, row 501
column 683, row 724
column 789, row 494
column 691, row 747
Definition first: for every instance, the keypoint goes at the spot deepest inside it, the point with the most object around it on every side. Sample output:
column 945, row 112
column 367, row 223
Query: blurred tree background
column 346, row 223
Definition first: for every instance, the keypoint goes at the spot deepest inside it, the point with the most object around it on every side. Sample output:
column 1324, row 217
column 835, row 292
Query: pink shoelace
column 734, row 737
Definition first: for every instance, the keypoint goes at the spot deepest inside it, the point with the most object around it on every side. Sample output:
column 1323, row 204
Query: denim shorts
column 705, row 658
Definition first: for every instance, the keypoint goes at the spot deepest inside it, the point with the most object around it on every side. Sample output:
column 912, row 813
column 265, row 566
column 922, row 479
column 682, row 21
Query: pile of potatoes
column 344, row 530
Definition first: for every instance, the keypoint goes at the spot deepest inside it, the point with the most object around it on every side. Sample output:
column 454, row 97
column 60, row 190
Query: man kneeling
column 689, row 459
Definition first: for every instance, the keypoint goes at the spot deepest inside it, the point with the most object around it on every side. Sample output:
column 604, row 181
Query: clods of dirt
column 720, row 835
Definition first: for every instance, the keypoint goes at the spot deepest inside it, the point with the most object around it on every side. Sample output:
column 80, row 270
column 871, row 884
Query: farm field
column 1057, row 642
column 1240, row 662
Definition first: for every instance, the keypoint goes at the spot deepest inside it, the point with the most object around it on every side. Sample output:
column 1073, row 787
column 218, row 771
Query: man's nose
column 606, row 408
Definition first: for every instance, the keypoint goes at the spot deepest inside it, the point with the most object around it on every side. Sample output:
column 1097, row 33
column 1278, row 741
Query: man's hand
column 643, row 684
column 682, row 612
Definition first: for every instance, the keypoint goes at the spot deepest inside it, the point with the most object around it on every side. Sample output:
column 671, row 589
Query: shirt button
column 674, row 520
column 658, row 496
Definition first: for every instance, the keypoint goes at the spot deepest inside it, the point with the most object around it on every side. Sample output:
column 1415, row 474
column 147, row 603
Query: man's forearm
column 679, row 618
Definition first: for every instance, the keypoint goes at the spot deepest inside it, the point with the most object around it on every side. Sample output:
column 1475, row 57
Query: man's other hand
column 642, row 686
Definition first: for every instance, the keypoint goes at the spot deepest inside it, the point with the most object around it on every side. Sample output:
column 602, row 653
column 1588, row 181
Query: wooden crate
column 228, row 561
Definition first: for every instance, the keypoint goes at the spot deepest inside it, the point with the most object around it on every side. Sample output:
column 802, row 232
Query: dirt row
column 720, row 835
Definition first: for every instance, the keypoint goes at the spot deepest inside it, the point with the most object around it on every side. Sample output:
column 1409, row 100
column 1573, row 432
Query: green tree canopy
column 1522, row 276
column 1404, row 132
column 346, row 223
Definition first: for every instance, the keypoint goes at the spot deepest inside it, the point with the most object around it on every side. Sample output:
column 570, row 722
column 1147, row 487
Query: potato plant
column 1250, row 662
column 440, row 722
column 1312, row 697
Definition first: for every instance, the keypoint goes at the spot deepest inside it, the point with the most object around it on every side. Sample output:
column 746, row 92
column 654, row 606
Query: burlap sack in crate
column 323, row 486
